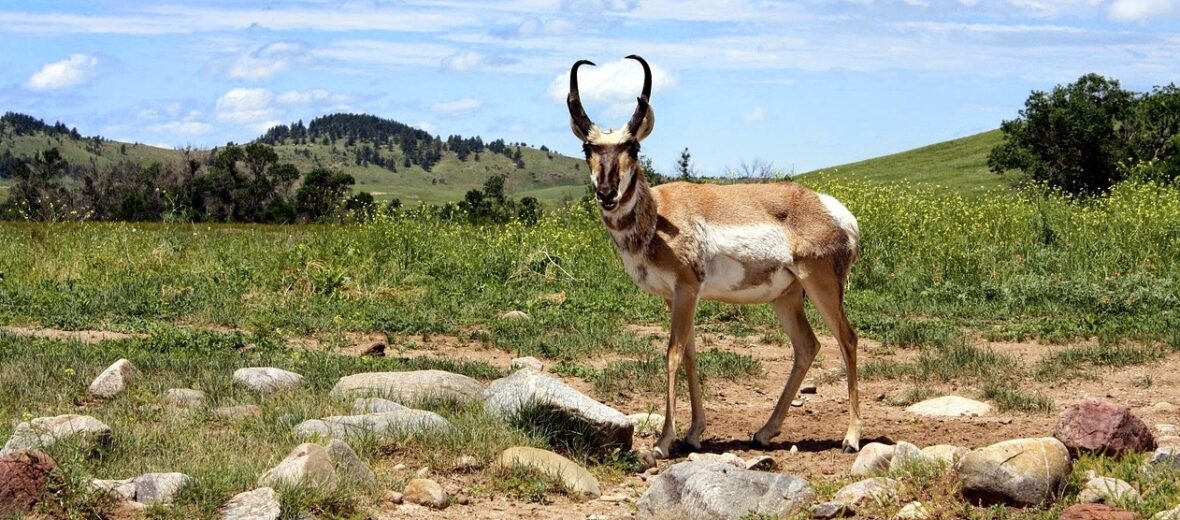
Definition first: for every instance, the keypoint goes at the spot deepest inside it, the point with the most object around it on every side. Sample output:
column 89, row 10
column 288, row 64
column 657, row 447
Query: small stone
column 184, row 397
column 1166, row 429
column 116, row 489
column 1163, row 459
column 798, row 402
column 828, row 510
column 1106, row 490
column 307, row 465
column 913, row 511
column 808, row 388
column 526, row 362
column 761, row 463
column 1163, row 407
column 950, row 406
column 646, row 462
column 466, row 464
column 114, row 380
column 647, row 424
column 394, row 497
column 1171, row 514
column 422, row 472
column 879, row 490
column 574, row 477
column 514, row 316
column 375, row 350
column 463, row 500
column 267, row 379
column 1095, row 512
column 259, row 504
column 380, row 425
column 237, row 413
column 24, row 475
column 399, row 467
column 794, row 449
column 426, row 492
column 873, row 456
column 613, row 498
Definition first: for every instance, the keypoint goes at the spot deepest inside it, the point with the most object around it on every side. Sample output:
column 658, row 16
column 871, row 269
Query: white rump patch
column 843, row 218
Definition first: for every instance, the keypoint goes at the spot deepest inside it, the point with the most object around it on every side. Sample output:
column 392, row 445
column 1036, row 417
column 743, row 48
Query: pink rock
column 1097, row 426
column 23, row 475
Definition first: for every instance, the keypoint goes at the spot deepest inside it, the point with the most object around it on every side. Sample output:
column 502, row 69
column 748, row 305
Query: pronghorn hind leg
column 826, row 292
column 789, row 310
column 683, row 306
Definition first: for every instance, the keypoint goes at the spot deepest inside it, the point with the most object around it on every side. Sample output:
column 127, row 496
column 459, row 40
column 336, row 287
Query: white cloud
column 757, row 115
column 308, row 97
column 248, row 106
column 1140, row 10
column 463, row 61
column 268, row 60
column 72, row 71
column 614, row 84
column 458, row 106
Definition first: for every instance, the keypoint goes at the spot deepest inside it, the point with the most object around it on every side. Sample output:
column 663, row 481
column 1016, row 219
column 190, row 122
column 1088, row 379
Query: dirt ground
column 735, row 409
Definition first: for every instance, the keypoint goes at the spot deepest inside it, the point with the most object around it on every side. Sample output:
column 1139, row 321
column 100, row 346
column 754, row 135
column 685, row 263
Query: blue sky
column 801, row 84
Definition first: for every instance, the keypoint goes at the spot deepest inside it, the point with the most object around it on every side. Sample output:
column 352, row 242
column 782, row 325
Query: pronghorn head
column 613, row 155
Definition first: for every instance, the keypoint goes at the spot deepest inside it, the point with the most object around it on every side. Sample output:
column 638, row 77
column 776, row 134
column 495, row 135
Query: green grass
column 958, row 164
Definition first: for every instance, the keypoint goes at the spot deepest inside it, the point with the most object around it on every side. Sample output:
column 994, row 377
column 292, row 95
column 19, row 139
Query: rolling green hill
column 960, row 164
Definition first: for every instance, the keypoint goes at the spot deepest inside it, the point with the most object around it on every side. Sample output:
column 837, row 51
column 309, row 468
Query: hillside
column 960, row 164
column 346, row 145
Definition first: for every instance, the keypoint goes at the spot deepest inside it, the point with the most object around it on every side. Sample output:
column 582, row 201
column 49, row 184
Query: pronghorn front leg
column 684, row 307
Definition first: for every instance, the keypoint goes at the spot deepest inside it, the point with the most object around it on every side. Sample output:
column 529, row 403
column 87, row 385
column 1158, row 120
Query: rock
column 393, row 497
column 184, row 398
column 1168, row 441
column 375, row 350
column 906, row 454
column 808, row 387
column 873, row 456
column 1022, row 472
column 647, row 424
column 376, row 404
column 267, row 379
column 878, row 490
column 151, row 488
column 1106, row 490
column 1095, row 512
column 426, row 492
column 116, row 489
column 1171, row 514
column 723, row 458
column 947, row 453
column 350, row 469
column 529, row 392
column 950, row 406
column 237, row 413
column 1167, row 429
column 43, row 432
column 114, row 380
column 913, row 511
column 307, row 465
column 463, row 500
column 1101, row 427
column 711, row 490
column 761, row 463
column 382, row 425
column 573, row 477
column 24, row 475
column 828, row 510
column 409, row 387
column 1163, row 458
column 798, row 402
column 466, row 464
column 259, row 504
column 1163, row 407
column 526, row 362
column 514, row 316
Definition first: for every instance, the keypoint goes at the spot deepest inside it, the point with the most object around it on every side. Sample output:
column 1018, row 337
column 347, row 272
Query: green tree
column 1072, row 138
column 322, row 194
column 1154, row 131
column 684, row 168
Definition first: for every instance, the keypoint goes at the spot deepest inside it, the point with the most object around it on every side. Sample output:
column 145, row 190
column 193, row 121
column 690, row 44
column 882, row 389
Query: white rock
column 350, row 469
column 237, row 413
column 906, row 454
column 913, row 511
column 950, row 406
column 259, row 504
column 184, row 397
column 528, row 389
column 526, row 362
column 1026, row 472
column 947, row 453
column 382, row 425
column 879, row 490
column 307, row 465
column 723, row 458
column 426, row 492
column 1106, row 490
column 514, row 316
column 114, row 380
column 409, row 387
column 365, row 405
column 149, row 488
column 647, row 424
column 1171, row 514
column 1166, row 429
column 873, row 456
column 267, row 379
column 43, row 432
column 573, row 477
column 711, row 490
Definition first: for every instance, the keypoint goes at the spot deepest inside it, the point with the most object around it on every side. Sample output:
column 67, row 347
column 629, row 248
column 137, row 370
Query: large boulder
column 531, row 395
column 307, row 465
column 267, row 379
column 258, row 504
column 409, row 387
column 24, row 475
column 950, row 406
column 149, row 488
column 381, row 425
column 43, row 432
column 1024, row 472
column 711, row 490
column 873, row 456
column 1102, row 427
column 114, row 380
column 573, row 477
column 1095, row 512
column 350, row 469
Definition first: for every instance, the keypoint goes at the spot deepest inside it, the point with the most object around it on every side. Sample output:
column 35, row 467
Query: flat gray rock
column 114, row 380
column 409, row 387
column 267, row 379
column 259, row 504
column 573, row 477
column 43, row 432
column 878, row 490
column 149, row 488
column 1024, row 472
column 375, row 405
column 526, row 362
column 307, row 465
column 528, row 390
column 712, row 490
column 1106, row 490
column 382, row 425
column 350, row 469
column 184, row 397
column 950, row 406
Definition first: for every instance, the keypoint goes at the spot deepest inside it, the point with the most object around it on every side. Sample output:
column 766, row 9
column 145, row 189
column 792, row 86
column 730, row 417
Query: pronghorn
column 743, row 243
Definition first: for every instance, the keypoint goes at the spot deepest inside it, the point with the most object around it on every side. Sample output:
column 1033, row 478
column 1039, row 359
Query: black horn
column 644, row 97
column 578, row 117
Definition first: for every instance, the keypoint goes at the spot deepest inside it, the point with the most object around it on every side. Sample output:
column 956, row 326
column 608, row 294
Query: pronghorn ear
column 583, row 134
column 645, row 127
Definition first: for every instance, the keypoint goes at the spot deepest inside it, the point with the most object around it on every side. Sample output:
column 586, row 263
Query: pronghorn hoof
column 763, row 440
column 848, row 448
column 660, row 453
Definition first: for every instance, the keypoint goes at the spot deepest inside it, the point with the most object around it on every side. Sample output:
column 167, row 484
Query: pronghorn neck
column 633, row 224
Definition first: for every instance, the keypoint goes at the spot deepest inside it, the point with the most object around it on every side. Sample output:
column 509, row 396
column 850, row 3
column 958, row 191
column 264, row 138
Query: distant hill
column 387, row 158
column 960, row 164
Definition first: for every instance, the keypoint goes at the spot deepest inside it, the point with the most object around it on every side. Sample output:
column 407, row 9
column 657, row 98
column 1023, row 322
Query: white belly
column 745, row 264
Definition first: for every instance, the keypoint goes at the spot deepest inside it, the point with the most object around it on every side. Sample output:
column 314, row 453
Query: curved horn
column 579, row 121
column 642, row 109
